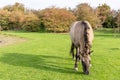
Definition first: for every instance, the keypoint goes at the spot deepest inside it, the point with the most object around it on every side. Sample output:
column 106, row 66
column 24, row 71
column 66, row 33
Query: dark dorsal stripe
column 85, row 33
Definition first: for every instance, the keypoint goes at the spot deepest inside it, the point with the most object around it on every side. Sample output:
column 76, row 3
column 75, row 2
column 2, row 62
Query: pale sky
column 41, row 4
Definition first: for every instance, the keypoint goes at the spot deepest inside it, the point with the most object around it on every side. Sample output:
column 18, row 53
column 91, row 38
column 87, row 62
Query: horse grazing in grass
column 82, row 35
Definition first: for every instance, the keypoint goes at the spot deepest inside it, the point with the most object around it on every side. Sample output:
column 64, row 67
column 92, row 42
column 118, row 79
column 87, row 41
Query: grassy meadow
column 45, row 56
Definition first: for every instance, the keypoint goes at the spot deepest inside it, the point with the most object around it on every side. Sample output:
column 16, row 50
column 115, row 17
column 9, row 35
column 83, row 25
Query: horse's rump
column 81, row 33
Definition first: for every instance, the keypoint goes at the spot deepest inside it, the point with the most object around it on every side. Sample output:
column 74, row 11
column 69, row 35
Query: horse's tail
column 86, row 27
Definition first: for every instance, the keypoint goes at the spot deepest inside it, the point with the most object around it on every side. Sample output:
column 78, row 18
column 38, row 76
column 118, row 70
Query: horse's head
column 86, row 61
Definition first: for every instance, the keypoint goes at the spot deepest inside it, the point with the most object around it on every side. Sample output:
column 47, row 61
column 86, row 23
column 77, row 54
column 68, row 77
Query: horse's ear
column 90, row 52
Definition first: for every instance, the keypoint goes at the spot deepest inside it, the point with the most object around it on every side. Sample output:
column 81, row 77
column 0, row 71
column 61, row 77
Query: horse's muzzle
column 86, row 72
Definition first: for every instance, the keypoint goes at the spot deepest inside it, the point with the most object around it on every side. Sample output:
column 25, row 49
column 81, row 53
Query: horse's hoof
column 76, row 69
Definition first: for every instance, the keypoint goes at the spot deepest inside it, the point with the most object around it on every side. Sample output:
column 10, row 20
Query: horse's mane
column 86, row 27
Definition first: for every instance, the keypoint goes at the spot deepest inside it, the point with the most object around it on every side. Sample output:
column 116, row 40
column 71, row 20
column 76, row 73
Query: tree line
column 53, row 19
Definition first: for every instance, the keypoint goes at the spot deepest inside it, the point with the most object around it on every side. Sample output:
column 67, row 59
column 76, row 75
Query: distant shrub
column 31, row 23
column 4, row 19
column 57, row 20
column 16, row 20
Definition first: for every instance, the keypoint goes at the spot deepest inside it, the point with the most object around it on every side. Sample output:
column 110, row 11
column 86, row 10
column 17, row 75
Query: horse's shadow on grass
column 42, row 62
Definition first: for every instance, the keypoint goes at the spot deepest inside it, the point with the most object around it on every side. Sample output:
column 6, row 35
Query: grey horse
column 82, row 35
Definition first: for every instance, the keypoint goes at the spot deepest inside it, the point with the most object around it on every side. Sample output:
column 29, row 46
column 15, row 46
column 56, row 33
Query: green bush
column 31, row 26
column 4, row 19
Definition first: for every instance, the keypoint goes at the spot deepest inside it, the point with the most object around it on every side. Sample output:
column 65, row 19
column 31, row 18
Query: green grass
column 45, row 56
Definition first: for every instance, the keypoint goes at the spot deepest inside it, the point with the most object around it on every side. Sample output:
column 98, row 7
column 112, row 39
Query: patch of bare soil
column 8, row 40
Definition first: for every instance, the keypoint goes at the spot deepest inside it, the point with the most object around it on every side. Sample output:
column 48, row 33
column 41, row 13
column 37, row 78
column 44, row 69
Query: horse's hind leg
column 76, row 59
column 72, row 50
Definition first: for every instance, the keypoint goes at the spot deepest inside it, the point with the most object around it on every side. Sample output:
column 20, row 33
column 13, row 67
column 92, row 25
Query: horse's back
column 77, row 32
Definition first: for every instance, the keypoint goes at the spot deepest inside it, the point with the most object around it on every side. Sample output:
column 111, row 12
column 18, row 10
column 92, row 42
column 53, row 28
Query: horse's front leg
column 76, row 59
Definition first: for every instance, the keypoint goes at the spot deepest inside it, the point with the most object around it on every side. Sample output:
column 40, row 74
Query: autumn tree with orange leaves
column 85, row 12
column 56, row 19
